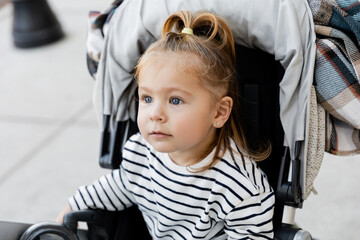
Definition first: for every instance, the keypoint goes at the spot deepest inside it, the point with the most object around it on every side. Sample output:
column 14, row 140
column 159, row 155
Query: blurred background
column 49, row 135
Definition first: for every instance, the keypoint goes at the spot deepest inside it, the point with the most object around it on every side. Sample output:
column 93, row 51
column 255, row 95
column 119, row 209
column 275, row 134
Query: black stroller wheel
column 41, row 229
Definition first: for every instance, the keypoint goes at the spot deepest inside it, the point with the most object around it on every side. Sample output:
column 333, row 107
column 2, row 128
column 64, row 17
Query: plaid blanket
column 342, row 139
column 337, row 71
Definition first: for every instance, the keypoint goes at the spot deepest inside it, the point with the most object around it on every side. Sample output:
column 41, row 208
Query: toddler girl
column 189, row 170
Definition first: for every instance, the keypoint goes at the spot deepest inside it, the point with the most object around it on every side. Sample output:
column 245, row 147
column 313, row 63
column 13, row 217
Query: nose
column 157, row 113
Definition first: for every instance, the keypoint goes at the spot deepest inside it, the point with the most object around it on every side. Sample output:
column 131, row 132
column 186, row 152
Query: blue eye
column 175, row 101
column 147, row 99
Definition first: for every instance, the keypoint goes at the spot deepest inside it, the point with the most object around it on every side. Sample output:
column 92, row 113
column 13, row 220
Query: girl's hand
column 60, row 217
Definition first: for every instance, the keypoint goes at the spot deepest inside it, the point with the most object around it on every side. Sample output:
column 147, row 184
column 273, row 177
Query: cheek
column 194, row 124
column 141, row 121
column 183, row 124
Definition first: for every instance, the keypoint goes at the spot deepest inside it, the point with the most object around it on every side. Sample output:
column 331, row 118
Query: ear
column 223, row 111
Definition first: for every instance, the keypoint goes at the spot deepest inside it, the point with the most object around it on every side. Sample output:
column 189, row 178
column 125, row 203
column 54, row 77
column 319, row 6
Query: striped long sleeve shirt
column 231, row 200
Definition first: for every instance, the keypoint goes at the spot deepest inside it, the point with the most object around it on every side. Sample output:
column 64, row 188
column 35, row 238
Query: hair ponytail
column 206, row 26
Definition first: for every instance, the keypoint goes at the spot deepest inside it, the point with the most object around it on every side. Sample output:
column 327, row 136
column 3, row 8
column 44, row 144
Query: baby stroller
column 293, row 49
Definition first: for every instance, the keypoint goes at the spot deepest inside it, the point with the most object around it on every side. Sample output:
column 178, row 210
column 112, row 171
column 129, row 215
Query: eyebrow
column 166, row 89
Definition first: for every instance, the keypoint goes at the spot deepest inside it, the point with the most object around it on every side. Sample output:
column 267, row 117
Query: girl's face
column 176, row 113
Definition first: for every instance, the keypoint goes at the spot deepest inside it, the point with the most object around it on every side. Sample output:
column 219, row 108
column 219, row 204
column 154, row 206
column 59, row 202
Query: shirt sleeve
column 252, row 218
column 110, row 193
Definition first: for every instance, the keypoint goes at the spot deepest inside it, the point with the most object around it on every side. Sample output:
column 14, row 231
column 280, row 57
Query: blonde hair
column 212, row 42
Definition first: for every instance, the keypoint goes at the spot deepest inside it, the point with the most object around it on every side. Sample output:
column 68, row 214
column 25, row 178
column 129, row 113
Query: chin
column 162, row 149
column 161, row 146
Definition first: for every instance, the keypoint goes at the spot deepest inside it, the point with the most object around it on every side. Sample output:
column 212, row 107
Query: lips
column 159, row 134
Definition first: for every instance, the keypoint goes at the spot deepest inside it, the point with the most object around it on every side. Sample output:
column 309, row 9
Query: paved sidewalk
column 49, row 137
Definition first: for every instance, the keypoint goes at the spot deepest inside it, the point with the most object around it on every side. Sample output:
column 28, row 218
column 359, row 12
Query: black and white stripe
column 231, row 200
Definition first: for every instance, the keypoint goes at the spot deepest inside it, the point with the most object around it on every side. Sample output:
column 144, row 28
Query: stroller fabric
column 316, row 143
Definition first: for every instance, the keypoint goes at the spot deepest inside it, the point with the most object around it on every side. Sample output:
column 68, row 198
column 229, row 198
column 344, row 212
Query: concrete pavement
column 49, row 137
